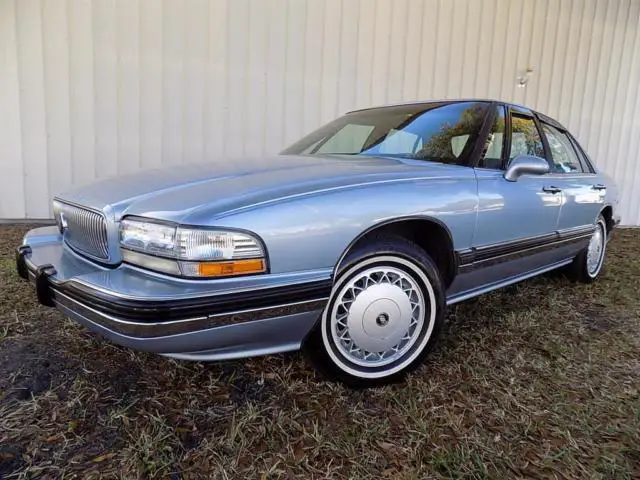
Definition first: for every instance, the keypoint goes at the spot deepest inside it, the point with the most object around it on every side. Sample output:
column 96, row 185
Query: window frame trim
column 483, row 136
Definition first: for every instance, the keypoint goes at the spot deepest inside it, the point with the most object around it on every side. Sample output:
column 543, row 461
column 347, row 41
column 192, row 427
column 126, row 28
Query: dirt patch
column 29, row 367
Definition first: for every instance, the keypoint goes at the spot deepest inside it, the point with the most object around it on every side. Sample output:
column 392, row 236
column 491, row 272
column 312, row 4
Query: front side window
column 563, row 156
column 525, row 138
column 444, row 133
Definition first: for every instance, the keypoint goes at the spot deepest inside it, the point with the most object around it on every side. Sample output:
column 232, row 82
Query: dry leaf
column 104, row 457
column 298, row 451
column 388, row 447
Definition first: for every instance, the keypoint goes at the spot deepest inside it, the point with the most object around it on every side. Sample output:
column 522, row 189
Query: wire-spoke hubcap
column 377, row 316
column 595, row 251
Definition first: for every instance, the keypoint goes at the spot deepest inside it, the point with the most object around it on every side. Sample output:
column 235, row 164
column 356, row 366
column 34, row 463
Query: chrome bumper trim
column 188, row 325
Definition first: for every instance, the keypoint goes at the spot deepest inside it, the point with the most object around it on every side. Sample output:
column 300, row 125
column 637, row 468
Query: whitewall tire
column 589, row 262
column 385, row 310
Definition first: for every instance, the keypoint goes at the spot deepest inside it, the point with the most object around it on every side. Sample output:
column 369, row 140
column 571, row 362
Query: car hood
column 182, row 193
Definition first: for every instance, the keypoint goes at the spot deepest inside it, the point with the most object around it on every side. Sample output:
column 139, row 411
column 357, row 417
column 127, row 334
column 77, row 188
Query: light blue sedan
column 350, row 244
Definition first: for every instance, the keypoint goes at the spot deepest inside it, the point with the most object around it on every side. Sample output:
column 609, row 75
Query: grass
column 539, row 380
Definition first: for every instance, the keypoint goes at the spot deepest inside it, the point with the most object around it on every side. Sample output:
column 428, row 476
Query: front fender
column 312, row 232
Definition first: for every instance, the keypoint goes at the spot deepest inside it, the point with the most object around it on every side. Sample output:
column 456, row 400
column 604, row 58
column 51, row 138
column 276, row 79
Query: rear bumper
column 211, row 320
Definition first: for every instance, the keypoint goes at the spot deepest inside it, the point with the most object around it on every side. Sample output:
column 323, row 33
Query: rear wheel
column 385, row 312
column 588, row 263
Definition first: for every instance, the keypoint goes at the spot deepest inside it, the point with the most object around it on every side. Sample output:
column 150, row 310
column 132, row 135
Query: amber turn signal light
column 234, row 267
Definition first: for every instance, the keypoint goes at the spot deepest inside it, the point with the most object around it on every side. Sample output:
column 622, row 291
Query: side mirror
column 525, row 164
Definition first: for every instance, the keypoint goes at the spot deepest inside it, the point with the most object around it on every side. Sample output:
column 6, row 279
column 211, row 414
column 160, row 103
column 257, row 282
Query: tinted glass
column 584, row 161
column 349, row 138
column 491, row 156
column 563, row 156
column 525, row 138
column 436, row 132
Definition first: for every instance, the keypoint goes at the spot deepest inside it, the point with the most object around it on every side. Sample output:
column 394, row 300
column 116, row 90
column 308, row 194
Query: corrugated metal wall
column 91, row 89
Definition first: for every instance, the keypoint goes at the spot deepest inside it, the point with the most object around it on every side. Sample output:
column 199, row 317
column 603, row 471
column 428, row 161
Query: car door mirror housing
column 525, row 164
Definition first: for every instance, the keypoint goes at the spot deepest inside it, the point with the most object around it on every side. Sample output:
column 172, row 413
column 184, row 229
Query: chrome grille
column 86, row 231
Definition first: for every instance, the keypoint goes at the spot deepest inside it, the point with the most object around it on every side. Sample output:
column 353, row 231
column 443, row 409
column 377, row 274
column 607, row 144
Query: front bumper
column 189, row 319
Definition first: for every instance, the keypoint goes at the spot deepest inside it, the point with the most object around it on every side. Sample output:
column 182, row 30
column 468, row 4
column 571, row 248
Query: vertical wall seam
column 607, row 86
column 593, row 105
column 303, row 112
column 589, row 68
column 119, row 108
column 575, row 65
column 503, row 66
column 420, row 66
column 617, row 88
column 23, row 179
column 46, row 110
column 435, row 49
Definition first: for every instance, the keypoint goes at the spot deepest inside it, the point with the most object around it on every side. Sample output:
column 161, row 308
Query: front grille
column 86, row 231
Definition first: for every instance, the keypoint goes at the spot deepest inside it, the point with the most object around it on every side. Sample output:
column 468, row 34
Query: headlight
column 190, row 252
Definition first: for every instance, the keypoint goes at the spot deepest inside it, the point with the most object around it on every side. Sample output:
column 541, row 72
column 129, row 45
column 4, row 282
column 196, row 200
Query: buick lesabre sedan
column 350, row 244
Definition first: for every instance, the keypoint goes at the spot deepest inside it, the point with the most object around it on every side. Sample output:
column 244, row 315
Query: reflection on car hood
column 223, row 186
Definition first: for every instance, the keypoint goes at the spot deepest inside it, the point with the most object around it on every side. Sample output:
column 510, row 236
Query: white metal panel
column 32, row 106
column 95, row 88
column 106, row 71
column 128, row 107
column 56, row 83
column 83, row 94
column 12, row 188
column 216, row 81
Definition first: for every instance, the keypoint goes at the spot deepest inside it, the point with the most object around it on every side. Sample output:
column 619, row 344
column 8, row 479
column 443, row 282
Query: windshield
column 437, row 132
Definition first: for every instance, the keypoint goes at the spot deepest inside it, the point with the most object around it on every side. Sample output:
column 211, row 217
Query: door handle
column 551, row 189
column 599, row 186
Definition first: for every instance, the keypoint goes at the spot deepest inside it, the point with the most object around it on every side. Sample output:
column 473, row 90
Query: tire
column 585, row 268
column 385, row 313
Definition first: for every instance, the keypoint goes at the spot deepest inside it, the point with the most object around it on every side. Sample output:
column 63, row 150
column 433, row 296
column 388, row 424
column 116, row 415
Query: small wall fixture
column 524, row 78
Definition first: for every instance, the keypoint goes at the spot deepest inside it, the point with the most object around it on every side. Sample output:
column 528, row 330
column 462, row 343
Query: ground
column 541, row 379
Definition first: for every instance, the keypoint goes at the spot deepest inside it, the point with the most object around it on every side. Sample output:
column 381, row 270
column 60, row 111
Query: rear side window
column 564, row 158
column 584, row 160
column 525, row 138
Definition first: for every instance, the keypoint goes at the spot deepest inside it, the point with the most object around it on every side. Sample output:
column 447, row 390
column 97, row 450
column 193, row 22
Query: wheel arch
column 429, row 233
column 607, row 213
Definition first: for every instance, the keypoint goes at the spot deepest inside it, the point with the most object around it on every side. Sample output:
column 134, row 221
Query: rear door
column 516, row 221
column 583, row 196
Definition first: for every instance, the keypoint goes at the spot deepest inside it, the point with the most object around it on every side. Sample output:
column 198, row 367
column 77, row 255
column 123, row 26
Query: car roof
column 516, row 106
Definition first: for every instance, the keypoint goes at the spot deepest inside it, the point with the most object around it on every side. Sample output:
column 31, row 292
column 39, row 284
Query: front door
column 521, row 210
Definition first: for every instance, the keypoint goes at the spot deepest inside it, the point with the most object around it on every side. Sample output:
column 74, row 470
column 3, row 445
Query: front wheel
column 588, row 263
column 385, row 311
